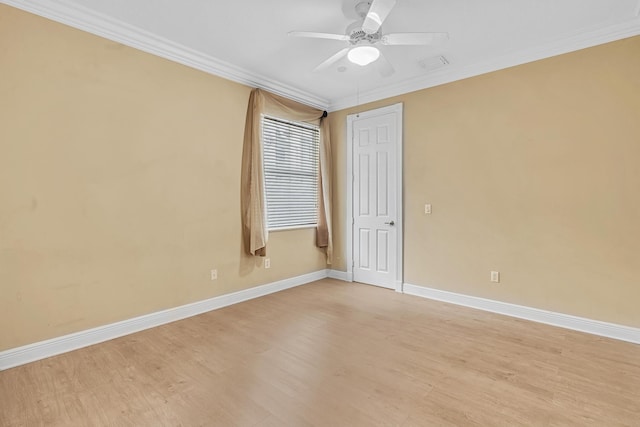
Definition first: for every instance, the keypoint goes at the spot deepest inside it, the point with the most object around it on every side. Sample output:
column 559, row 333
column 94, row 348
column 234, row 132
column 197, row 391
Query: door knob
column 390, row 223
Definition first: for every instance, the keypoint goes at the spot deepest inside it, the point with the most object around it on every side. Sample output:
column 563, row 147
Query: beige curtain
column 254, row 227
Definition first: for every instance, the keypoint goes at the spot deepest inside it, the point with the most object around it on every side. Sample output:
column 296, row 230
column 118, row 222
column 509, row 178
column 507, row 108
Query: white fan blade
column 312, row 35
column 383, row 66
column 377, row 14
column 335, row 58
column 414, row 38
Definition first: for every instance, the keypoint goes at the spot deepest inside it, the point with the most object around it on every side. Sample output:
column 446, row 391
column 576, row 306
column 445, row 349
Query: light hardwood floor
column 334, row 354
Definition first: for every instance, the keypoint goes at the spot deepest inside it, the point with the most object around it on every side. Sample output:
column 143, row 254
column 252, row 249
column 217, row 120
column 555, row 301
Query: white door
column 377, row 197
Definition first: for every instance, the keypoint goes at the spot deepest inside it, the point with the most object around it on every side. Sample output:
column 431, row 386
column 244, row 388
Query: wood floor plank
column 334, row 354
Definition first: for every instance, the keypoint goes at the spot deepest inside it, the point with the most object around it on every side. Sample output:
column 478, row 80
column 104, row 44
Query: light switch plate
column 495, row 276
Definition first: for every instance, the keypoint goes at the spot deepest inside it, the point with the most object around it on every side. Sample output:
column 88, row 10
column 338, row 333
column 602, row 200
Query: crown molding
column 101, row 25
column 452, row 73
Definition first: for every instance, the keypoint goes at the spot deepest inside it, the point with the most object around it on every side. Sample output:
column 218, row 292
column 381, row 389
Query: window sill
column 294, row 227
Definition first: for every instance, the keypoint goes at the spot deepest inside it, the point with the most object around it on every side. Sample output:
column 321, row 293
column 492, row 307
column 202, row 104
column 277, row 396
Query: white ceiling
column 247, row 41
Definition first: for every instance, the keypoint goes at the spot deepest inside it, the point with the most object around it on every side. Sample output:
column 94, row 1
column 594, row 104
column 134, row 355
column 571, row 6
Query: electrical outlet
column 267, row 263
column 495, row 276
column 427, row 208
column 214, row 274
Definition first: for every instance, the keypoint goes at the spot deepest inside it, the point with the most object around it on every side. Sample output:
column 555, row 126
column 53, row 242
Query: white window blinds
column 290, row 172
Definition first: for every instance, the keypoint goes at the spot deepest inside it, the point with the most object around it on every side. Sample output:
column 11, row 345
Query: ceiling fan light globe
column 363, row 55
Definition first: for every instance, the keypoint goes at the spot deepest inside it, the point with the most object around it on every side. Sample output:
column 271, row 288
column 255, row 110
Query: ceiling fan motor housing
column 357, row 35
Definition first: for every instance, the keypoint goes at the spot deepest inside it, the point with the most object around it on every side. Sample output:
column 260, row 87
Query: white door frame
column 396, row 108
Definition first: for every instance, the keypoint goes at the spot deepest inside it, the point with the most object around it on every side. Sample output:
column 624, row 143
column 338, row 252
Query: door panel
column 382, row 184
column 382, row 251
column 363, row 182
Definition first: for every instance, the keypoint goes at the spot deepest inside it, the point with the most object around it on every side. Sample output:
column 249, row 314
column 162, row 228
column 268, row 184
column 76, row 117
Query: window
column 290, row 173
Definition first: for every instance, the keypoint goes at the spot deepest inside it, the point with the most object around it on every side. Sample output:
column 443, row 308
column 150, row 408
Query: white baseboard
column 595, row 327
column 43, row 349
column 340, row 275
column 52, row 347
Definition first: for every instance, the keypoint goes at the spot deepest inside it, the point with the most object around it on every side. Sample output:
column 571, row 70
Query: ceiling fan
column 365, row 35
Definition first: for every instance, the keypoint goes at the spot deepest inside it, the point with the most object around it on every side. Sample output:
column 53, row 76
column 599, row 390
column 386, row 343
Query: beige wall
column 119, row 178
column 533, row 171
column 119, row 184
